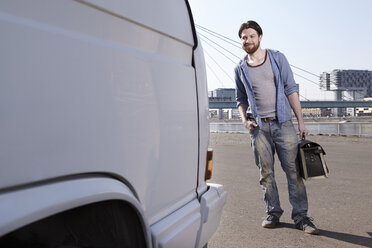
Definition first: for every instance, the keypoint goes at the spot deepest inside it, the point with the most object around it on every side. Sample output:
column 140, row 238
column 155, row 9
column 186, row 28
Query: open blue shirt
column 284, row 82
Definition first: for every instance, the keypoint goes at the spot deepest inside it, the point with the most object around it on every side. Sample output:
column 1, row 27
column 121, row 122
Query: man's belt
column 268, row 119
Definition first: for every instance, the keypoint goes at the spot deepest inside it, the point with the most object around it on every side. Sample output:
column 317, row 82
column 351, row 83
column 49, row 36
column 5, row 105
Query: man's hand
column 303, row 130
column 249, row 125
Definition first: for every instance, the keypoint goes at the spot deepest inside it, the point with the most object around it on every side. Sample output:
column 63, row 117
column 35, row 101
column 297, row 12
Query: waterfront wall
column 360, row 129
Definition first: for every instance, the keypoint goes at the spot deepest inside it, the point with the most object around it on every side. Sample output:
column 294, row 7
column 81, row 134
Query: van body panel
column 211, row 205
column 167, row 16
column 179, row 229
column 86, row 102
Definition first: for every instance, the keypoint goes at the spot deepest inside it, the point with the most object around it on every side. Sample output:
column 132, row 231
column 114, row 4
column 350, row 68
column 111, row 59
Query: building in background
column 348, row 85
column 223, row 93
column 311, row 112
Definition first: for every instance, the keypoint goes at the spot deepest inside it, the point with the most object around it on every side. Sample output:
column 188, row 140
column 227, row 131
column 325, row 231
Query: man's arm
column 286, row 75
column 296, row 106
column 248, row 124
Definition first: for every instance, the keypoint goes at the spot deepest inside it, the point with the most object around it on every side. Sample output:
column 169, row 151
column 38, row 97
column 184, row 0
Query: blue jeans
column 282, row 138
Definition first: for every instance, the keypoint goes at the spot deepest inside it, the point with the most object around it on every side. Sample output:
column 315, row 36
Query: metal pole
column 220, row 114
column 360, row 129
column 318, row 128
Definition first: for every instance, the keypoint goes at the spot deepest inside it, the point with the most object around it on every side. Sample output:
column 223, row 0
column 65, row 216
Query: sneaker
column 307, row 226
column 270, row 222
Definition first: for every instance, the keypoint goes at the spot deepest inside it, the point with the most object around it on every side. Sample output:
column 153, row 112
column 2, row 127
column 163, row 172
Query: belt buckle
column 268, row 119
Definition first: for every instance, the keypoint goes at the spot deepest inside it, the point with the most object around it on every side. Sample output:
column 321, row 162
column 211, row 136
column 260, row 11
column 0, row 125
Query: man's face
column 250, row 40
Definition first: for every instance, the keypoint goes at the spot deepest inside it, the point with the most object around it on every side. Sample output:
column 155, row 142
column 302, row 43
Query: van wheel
column 104, row 224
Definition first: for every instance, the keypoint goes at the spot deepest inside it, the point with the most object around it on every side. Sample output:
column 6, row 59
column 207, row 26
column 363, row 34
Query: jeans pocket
column 287, row 124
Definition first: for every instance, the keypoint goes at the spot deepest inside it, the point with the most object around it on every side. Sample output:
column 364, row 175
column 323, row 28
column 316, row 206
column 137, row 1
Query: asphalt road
column 341, row 205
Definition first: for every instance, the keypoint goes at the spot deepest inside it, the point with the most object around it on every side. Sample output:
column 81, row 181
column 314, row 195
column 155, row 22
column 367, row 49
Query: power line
column 304, row 97
column 219, row 46
column 305, row 71
column 298, row 75
column 234, row 62
column 231, row 41
column 215, row 74
column 219, row 66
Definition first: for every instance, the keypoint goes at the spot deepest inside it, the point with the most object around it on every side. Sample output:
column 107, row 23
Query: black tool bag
column 311, row 160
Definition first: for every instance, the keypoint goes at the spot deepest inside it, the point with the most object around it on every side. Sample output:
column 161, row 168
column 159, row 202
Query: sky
column 316, row 36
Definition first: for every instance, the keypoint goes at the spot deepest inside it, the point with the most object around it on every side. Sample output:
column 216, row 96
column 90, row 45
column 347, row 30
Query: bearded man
column 265, row 93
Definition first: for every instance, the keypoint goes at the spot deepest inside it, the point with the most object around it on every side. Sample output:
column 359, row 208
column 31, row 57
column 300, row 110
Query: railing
column 361, row 129
column 228, row 102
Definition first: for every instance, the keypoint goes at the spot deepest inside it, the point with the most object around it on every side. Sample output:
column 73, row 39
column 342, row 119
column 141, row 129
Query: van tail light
column 209, row 165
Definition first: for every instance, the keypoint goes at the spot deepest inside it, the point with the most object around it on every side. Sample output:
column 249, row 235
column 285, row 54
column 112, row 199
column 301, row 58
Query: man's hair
column 250, row 24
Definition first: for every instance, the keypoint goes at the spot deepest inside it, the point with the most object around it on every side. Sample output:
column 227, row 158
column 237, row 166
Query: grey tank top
column 263, row 84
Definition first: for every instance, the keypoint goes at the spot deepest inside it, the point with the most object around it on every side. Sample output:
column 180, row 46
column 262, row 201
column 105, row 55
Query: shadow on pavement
column 346, row 237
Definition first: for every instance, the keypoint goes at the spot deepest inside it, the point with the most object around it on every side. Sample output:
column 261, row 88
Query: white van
column 103, row 126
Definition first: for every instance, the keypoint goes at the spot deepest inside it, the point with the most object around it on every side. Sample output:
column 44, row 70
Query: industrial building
column 347, row 85
column 223, row 93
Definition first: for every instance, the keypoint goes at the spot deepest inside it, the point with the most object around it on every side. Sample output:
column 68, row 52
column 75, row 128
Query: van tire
column 103, row 224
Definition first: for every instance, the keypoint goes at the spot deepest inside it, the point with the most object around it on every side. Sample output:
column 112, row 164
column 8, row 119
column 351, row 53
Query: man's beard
column 251, row 49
